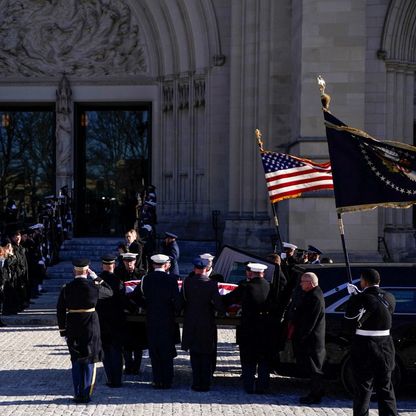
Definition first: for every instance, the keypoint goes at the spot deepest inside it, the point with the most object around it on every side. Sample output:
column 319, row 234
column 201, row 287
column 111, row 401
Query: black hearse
column 397, row 278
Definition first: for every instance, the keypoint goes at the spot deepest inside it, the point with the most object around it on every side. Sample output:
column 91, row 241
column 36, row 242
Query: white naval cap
column 289, row 245
column 207, row 256
column 160, row 258
column 129, row 256
column 257, row 267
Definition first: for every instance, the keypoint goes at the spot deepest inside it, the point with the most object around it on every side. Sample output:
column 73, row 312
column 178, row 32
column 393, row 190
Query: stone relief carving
column 167, row 92
column 183, row 95
column 199, row 92
column 85, row 38
column 64, row 128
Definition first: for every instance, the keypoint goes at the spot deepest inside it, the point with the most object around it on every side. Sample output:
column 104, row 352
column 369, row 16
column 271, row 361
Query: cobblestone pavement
column 35, row 379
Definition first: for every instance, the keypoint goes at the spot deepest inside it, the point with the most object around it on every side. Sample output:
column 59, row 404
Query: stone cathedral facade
column 212, row 72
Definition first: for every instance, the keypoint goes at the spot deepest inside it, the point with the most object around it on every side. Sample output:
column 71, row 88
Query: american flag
column 289, row 176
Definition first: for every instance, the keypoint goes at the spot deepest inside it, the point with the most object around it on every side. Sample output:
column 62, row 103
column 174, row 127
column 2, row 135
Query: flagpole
column 325, row 100
column 344, row 247
column 278, row 246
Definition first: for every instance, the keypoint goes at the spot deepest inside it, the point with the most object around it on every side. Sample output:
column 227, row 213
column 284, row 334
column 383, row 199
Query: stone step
column 42, row 310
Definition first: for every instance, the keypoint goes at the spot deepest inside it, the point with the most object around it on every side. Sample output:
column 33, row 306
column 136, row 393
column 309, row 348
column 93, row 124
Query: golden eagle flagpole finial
column 259, row 141
column 325, row 98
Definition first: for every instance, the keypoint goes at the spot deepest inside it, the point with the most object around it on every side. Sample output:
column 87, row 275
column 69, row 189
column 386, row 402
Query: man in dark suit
column 257, row 337
column 110, row 312
column 78, row 322
column 170, row 248
column 372, row 350
column 159, row 294
column 200, row 299
column 135, row 245
column 309, row 335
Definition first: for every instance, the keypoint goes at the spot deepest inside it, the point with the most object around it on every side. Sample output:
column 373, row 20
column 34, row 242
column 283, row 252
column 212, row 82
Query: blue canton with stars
column 368, row 172
column 273, row 162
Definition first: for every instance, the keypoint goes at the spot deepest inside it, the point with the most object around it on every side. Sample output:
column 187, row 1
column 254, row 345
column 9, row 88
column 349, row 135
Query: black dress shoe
column 81, row 399
column 114, row 385
column 309, row 399
column 156, row 385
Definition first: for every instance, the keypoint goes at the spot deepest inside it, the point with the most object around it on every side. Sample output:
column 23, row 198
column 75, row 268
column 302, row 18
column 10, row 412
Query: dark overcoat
column 200, row 298
column 256, row 332
column 309, row 330
column 82, row 329
column 160, row 294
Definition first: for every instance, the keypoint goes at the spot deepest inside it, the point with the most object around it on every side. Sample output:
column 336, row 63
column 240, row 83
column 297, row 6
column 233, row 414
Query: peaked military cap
column 129, row 256
column 312, row 249
column 80, row 263
column 108, row 259
column 160, row 258
column 289, row 245
column 171, row 235
column 200, row 263
column 257, row 267
column 207, row 256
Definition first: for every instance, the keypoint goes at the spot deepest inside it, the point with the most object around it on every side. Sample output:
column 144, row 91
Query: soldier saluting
column 372, row 350
column 78, row 322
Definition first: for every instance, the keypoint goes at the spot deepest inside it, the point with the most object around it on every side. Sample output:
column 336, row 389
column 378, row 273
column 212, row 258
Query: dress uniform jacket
column 372, row 349
column 134, row 332
column 309, row 330
column 78, row 320
column 160, row 296
column 110, row 310
column 201, row 299
column 256, row 332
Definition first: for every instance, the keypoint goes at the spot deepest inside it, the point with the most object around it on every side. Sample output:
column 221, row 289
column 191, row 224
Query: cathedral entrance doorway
column 112, row 165
column 27, row 163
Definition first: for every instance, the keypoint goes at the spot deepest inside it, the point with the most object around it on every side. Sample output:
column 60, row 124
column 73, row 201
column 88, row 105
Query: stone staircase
column 42, row 311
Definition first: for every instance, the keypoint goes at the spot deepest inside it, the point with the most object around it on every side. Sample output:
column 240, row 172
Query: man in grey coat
column 201, row 299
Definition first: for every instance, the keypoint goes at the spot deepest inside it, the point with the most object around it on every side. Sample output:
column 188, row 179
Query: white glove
column 92, row 274
column 352, row 289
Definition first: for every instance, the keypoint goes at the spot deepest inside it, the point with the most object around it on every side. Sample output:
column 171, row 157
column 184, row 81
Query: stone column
column 399, row 230
column 64, row 136
column 248, row 224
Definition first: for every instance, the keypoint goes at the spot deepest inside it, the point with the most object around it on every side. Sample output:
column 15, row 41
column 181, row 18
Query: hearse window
column 237, row 273
column 405, row 301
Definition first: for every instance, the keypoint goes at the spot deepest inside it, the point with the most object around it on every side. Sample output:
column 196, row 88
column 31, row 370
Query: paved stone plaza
column 35, row 379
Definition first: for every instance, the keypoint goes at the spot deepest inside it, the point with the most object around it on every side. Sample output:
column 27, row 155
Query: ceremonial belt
column 375, row 333
column 80, row 310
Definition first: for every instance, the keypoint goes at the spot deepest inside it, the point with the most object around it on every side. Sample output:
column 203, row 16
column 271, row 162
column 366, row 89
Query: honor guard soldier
column 313, row 255
column 210, row 271
column 372, row 349
column 111, row 314
column 170, row 248
column 159, row 294
column 78, row 322
column 134, row 333
column 200, row 298
column 309, row 335
column 257, row 337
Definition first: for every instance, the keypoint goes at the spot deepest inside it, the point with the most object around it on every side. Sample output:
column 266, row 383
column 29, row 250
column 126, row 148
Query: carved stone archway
column 398, row 50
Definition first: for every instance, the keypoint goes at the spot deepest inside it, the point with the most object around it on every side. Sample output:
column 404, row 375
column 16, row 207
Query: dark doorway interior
column 27, row 162
column 112, row 165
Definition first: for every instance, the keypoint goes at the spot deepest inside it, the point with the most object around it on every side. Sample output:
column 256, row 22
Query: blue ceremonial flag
column 368, row 173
